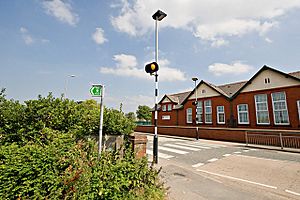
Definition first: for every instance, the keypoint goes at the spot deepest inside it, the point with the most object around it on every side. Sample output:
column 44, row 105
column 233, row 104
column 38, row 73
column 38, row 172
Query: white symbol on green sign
column 96, row 90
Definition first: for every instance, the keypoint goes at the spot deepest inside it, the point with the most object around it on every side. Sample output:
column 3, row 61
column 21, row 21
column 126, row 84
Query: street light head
column 159, row 15
column 195, row 79
column 72, row 75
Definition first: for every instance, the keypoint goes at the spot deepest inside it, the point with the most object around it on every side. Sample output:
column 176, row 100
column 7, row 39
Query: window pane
column 242, row 107
column 221, row 118
column 220, row 108
column 207, row 103
column 261, row 106
column 208, row 118
column 261, row 98
column 263, row 117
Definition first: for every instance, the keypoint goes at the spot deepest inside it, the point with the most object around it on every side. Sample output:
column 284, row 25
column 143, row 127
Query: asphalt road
column 206, row 169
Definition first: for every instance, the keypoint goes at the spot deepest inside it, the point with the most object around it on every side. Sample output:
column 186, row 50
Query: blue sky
column 42, row 43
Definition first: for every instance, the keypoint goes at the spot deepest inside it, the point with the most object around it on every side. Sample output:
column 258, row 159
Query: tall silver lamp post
column 195, row 79
column 66, row 83
column 157, row 16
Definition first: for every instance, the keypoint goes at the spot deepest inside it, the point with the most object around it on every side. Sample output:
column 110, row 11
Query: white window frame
column 164, row 108
column 169, row 107
column 239, row 113
column 256, row 111
column 218, row 115
column 200, row 112
column 298, row 106
column 286, row 109
column 207, row 113
column 189, row 113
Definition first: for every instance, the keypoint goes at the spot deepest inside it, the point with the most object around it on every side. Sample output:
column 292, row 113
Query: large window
column 261, row 106
column 189, row 115
column 200, row 111
column 243, row 116
column 169, row 107
column 164, row 107
column 208, row 111
column 298, row 105
column 220, row 115
column 280, row 111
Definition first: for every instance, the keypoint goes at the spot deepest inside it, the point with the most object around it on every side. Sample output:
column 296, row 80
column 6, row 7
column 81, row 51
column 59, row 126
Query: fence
column 273, row 138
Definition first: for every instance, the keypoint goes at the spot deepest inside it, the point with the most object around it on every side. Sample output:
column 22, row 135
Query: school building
column 269, row 100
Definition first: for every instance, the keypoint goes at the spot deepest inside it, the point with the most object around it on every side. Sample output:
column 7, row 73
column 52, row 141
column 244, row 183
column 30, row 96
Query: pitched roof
column 265, row 67
column 295, row 74
column 231, row 88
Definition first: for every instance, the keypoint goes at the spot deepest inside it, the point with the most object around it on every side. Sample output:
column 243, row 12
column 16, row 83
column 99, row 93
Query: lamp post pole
column 158, row 16
column 66, row 83
column 195, row 79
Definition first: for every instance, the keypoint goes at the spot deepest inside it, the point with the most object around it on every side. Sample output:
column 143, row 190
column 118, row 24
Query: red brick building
column 269, row 100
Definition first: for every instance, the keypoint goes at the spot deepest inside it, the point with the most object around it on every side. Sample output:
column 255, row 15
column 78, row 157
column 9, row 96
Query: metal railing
column 283, row 140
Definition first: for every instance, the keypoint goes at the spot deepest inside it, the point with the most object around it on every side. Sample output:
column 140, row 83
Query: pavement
column 206, row 169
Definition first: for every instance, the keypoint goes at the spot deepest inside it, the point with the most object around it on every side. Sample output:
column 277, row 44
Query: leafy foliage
column 144, row 113
column 45, row 154
column 116, row 123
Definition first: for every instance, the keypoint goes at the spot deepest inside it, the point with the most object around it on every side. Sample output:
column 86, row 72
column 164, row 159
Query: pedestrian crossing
column 171, row 150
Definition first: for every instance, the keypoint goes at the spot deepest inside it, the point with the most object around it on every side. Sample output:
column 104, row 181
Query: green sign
column 96, row 90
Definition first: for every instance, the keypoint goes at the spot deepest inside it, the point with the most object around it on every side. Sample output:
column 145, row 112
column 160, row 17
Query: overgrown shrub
column 116, row 123
column 65, row 169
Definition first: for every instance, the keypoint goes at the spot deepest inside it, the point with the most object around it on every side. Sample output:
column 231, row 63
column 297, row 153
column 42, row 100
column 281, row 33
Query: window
column 169, row 107
column 189, row 115
column 220, row 115
column 261, row 106
column 208, row 111
column 267, row 80
column 200, row 111
column 164, row 107
column 243, row 116
column 298, row 105
column 281, row 116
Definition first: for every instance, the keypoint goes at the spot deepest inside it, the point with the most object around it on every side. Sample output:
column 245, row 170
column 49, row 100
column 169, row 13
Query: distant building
column 270, row 99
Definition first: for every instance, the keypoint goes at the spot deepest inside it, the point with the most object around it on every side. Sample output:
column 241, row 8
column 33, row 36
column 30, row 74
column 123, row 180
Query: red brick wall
column 178, row 117
column 292, row 95
column 222, row 134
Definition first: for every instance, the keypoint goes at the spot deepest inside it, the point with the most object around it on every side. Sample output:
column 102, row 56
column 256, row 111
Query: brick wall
column 222, row 134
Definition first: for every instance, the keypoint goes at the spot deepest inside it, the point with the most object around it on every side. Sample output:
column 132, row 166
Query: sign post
column 98, row 91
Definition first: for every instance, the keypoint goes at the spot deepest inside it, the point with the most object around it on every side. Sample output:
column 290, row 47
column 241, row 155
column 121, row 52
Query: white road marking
column 237, row 179
column 228, row 154
column 291, row 192
column 237, row 152
column 246, row 150
column 191, row 145
column 160, row 155
column 257, row 158
column 182, row 147
column 213, row 160
column 209, row 145
column 172, row 150
column 197, row 165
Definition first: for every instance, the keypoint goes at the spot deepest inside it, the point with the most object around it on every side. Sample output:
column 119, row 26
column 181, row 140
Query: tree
column 144, row 113
column 131, row 116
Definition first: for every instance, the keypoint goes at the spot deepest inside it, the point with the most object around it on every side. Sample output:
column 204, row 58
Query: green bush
column 116, row 123
column 65, row 169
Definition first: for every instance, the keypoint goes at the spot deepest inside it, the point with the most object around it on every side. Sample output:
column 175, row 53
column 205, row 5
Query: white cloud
column 98, row 36
column 268, row 40
column 126, row 65
column 29, row 39
column 62, row 10
column 212, row 21
column 235, row 68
